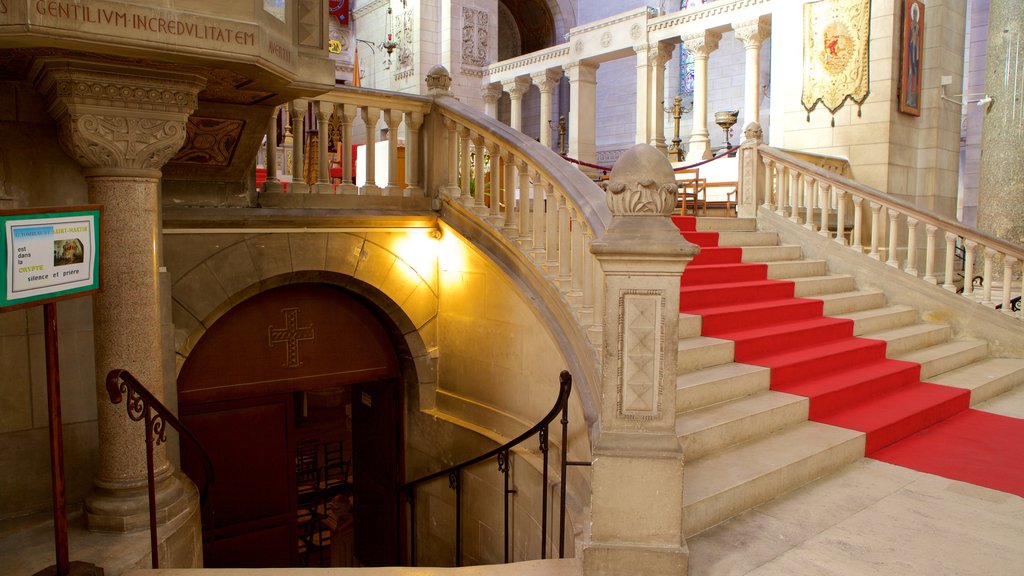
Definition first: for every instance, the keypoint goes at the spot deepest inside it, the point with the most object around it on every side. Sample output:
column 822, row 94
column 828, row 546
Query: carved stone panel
column 641, row 334
column 474, row 36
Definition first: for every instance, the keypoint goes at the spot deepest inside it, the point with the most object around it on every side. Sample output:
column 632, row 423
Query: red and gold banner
column 836, row 34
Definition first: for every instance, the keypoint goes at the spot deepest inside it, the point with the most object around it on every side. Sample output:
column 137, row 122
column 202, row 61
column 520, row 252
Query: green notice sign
column 49, row 254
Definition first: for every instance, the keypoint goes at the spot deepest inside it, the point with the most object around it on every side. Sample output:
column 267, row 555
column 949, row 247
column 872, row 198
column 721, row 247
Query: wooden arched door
column 244, row 391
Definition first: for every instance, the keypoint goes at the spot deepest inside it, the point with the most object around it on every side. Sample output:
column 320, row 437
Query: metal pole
column 565, row 454
column 544, row 495
column 151, row 486
column 455, row 481
column 503, row 463
column 60, row 511
column 411, row 498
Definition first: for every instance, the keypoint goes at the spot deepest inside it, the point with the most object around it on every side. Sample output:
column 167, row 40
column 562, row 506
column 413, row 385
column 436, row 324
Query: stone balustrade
column 921, row 243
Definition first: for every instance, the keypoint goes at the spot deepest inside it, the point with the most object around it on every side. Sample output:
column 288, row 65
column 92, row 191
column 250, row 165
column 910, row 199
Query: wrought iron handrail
column 501, row 454
column 141, row 405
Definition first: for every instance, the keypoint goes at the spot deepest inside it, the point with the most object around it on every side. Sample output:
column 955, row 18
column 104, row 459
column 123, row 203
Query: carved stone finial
column 753, row 132
column 642, row 183
column 439, row 81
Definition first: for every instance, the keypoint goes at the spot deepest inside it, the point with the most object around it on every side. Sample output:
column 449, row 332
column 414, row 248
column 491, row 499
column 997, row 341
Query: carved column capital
column 491, row 93
column 547, row 80
column 115, row 119
column 702, row 44
column 660, row 53
column 752, row 32
column 517, row 87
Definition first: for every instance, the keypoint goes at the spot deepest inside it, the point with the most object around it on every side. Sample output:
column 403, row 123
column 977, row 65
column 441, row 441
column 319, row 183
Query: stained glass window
column 685, row 57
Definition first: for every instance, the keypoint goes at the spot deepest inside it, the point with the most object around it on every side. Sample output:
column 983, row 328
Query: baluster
column 452, row 188
column 876, row 210
column 893, row 235
column 576, row 230
column 841, row 216
column 525, row 205
column 948, row 284
column 323, row 119
column 912, row 247
column 1008, row 262
column 346, row 113
column 479, row 187
column 413, row 121
column 826, row 209
column 858, row 216
column 495, row 189
column 969, row 246
column 370, row 117
column 467, row 198
column 552, row 244
column 587, row 312
column 392, row 119
column 539, row 220
column 769, row 182
column 810, row 192
column 509, row 194
column 795, row 185
column 597, row 328
column 986, row 300
column 564, row 245
column 782, row 194
column 298, row 184
column 272, row 183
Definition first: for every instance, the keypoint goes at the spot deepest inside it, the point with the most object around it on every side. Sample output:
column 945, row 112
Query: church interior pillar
column 546, row 82
column 660, row 55
column 643, row 97
column 323, row 117
column 272, row 184
column 582, row 110
column 516, row 89
column 491, row 94
column 752, row 34
column 701, row 45
column 122, row 125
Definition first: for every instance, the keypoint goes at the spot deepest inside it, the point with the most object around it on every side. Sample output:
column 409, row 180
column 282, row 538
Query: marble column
column 659, row 56
column 491, row 93
column 272, row 184
column 1001, row 187
column 298, row 115
column 516, row 89
column 643, row 89
column 752, row 33
column 582, row 110
column 546, row 82
column 701, row 45
column 122, row 124
column 637, row 491
column 323, row 120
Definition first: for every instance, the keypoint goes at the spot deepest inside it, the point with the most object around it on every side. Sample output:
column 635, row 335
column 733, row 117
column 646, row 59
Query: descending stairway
column 788, row 373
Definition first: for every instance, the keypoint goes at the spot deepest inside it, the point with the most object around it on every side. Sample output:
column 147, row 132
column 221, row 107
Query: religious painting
column 836, row 34
column 910, row 57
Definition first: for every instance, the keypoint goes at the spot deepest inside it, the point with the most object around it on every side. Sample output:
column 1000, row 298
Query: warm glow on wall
column 419, row 249
column 452, row 252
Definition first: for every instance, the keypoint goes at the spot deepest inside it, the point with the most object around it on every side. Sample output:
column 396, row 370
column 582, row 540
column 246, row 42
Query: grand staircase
column 788, row 373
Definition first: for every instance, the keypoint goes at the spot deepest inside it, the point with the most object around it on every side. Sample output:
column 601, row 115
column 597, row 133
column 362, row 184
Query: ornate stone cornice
column 114, row 118
column 706, row 11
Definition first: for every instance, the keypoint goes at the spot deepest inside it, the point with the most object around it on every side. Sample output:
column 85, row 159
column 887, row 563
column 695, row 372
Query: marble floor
column 874, row 518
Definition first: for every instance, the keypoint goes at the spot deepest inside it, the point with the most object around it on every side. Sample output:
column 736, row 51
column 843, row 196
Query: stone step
column 906, row 339
column 787, row 269
column 814, row 286
column 738, row 238
column 710, row 224
column 709, row 386
column 985, row 379
column 703, row 352
column 719, row 486
column 942, row 358
column 714, row 428
column 771, row 253
column 851, row 301
column 689, row 325
column 879, row 319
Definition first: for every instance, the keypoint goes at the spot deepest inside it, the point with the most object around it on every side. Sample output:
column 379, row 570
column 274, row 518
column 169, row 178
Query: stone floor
column 874, row 518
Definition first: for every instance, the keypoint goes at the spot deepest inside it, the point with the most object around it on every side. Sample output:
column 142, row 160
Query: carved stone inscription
column 474, row 36
column 641, row 332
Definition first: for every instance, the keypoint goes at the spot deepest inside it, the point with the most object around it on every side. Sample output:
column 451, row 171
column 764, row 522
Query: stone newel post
column 637, row 497
column 122, row 124
column 751, row 175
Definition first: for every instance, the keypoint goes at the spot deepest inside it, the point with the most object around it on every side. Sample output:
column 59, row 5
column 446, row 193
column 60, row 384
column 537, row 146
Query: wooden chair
column 730, row 195
column 335, row 469
column 692, row 191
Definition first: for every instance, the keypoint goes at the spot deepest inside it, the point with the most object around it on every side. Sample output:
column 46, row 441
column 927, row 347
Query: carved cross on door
column 290, row 335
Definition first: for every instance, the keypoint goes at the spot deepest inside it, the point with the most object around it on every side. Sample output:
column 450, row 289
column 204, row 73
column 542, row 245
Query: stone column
column 752, row 33
column 516, row 89
column 298, row 114
column 392, row 119
column 413, row 121
column 491, row 93
column 1001, row 187
column 637, row 495
column 659, row 56
column 323, row 119
column 346, row 113
column 122, row 124
column 272, row 185
column 546, row 82
column 701, row 45
column 582, row 110
column 370, row 117
column 643, row 96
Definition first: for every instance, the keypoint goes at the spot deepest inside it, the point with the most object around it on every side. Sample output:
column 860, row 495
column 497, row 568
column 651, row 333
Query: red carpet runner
column 849, row 381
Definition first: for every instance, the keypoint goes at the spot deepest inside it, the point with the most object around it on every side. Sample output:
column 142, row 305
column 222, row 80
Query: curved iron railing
column 501, row 455
column 142, row 405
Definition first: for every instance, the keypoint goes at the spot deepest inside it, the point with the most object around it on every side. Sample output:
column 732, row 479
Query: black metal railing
column 502, row 456
column 142, row 405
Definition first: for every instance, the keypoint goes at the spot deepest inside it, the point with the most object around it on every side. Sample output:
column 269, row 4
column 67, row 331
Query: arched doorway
column 296, row 394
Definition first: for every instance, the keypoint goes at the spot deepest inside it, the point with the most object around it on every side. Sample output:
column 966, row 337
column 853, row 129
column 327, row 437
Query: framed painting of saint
column 911, row 51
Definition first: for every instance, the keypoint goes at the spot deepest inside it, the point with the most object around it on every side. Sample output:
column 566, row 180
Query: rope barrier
column 681, row 168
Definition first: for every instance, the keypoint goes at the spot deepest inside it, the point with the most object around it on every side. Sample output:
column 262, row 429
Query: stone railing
column 887, row 229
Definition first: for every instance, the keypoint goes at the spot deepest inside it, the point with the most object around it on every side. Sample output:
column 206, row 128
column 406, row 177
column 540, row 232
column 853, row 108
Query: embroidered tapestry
column 836, row 34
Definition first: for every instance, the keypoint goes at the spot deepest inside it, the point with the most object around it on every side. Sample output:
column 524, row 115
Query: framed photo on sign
column 911, row 51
